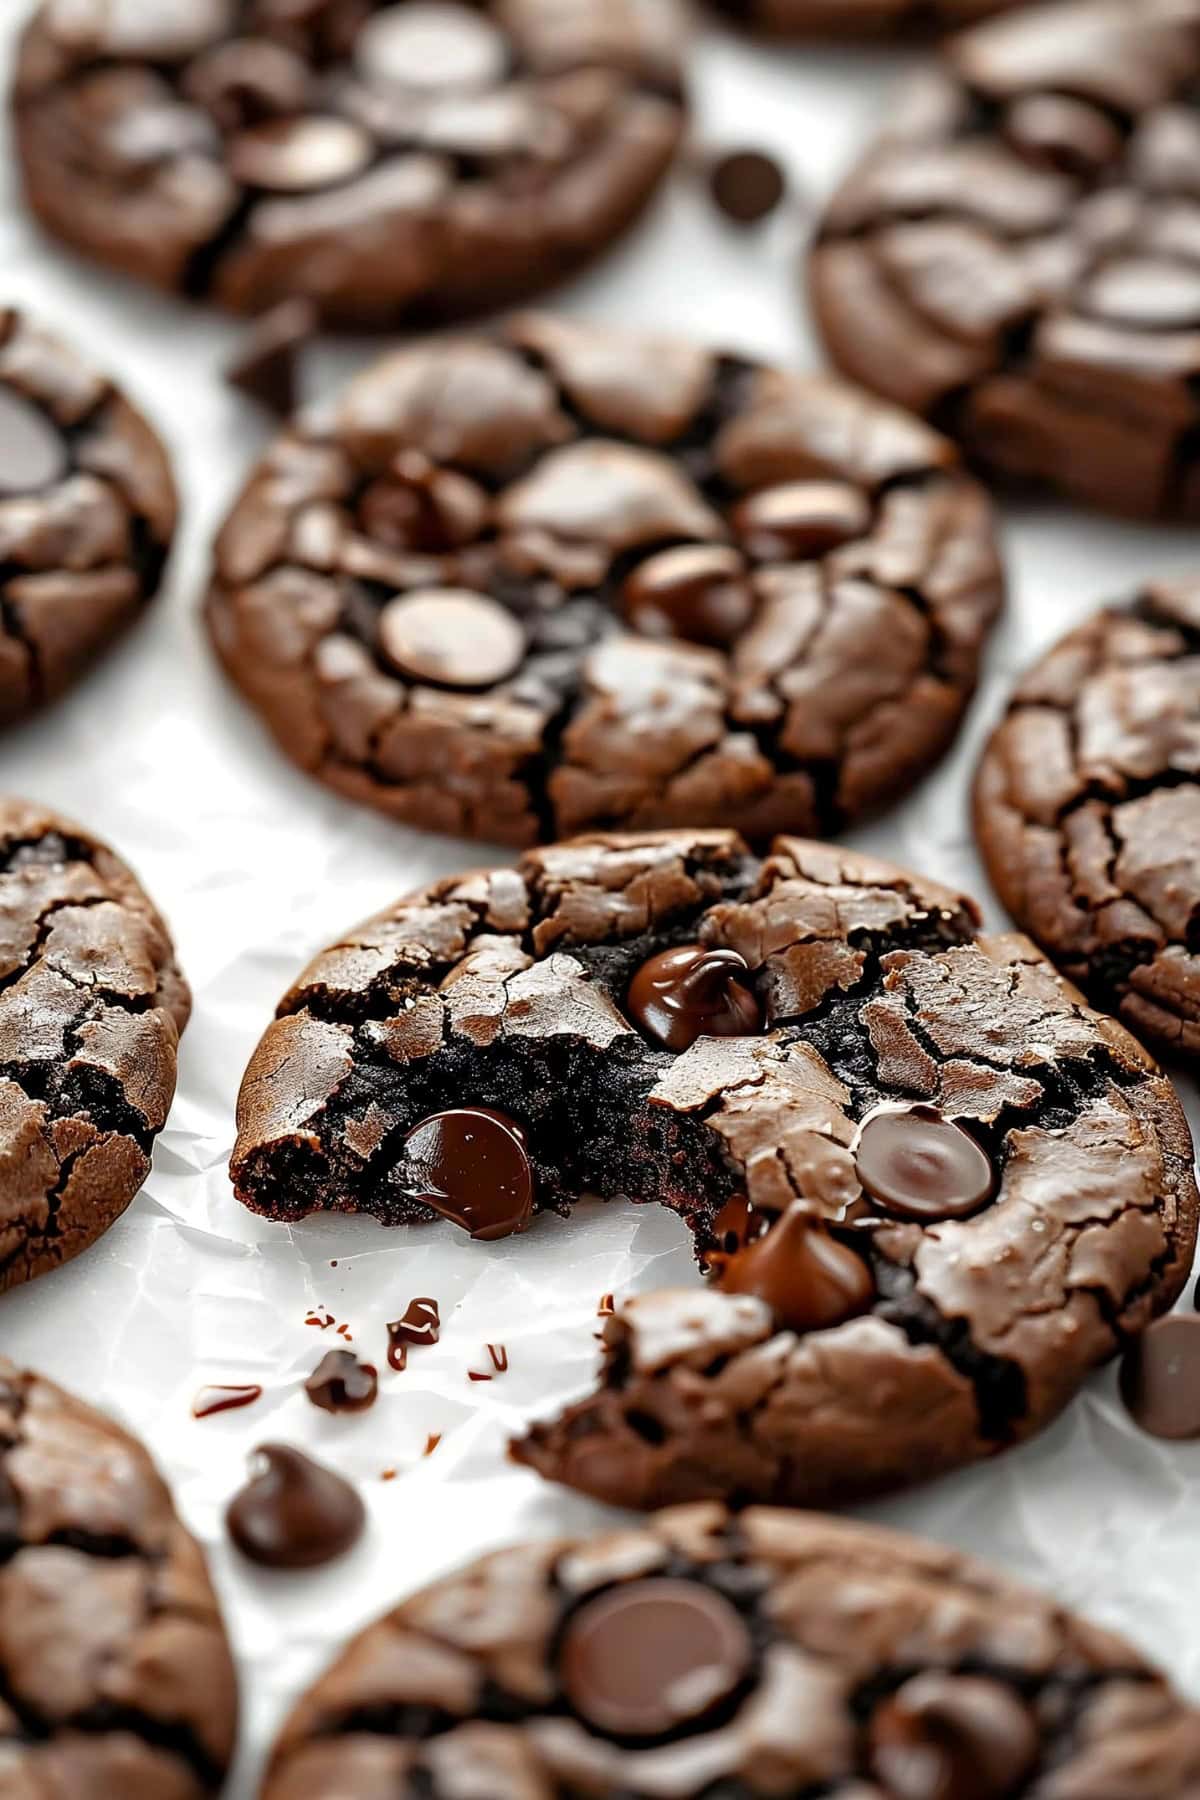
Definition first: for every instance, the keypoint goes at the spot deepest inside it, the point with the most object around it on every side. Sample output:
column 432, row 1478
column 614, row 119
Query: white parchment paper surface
column 256, row 868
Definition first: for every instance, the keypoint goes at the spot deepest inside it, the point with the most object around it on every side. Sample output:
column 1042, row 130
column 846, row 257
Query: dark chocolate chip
column 697, row 592
column 809, row 1279
column 693, row 992
column 1160, row 1378
column 747, row 185
column 421, row 1324
column 953, row 1737
column 452, row 637
column 267, row 368
column 340, row 1383
column 800, row 519
column 920, row 1165
column 294, row 1513
column 33, row 453
column 432, row 44
column 470, row 1165
column 641, row 1660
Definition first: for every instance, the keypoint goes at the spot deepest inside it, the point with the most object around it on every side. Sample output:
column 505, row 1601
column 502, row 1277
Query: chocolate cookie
column 91, row 1008
column 568, row 577
column 1087, row 808
column 1018, row 259
column 87, row 514
column 762, row 1653
column 115, row 1675
column 932, row 1188
column 385, row 161
column 853, row 18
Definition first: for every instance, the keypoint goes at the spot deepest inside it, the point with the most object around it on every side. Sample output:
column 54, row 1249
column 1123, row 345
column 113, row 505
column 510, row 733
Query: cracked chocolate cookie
column 762, row 1653
column 566, row 577
column 87, row 514
column 384, row 161
column 932, row 1189
column 1018, row 259
column 854, row 18
column 115, row 1674
column 1087, row 810
column 91, row 1007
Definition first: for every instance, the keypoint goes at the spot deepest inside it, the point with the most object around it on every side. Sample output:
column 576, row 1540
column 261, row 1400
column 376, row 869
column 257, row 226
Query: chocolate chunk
column 692, row 992
column 340, row 1383
column 953, row 1737
column 294, row 1513
column 421, row 1324
column 213, row 1400
column 267, row 368
column 810, row 1279
column 456, row 639
column 432, row 44
column 747, row 185
column 801, row 519
column 33, row 453
column 697, row 593
column 1160, row 1377
column 470, row 1165
column 646, row 1658
column 920, row 1165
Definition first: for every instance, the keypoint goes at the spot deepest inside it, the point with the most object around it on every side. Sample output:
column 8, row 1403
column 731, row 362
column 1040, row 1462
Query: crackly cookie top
column 1019, row 256
column 932, row 1188
column 91, row 1007
column 380, row 159
column 769, row 1652
column 568, row 577
column 87, row 514
column 1088, row 809
column 837, row 18
column 115, row 1674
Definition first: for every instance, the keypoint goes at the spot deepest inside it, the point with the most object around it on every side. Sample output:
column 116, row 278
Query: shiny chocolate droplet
column 646, row 1658
column 470, row 1165
column 747, row 185
column 294, row 1513
column 421, row 1324
column 952, row 1737
column 694, row 992
column 452, row 637
column 920, row 1165
column 1160, row 1378
column 33, row 453
column 340, row 1383
column 810, row 1279
column 696, row 592
column 213, row 1400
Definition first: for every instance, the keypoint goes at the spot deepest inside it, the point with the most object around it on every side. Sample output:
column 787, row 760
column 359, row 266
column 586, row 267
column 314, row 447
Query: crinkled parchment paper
column 256, row 869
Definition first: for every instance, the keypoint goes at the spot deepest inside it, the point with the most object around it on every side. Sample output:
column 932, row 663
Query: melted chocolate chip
column 1160, row 1378
column 920, row 1165
column 809, row 1279
column 697, row 592
column 747, row 185
column 432, row 44
column 693, row 992
column 421, row 1324
column 340, row 1383
column 800, row 519
column 644, row 1659
column 294, row 1514
column 299, row 155
column 32, row 451
column 452, row 637
column 267, row 369
column 470, row 1165
column 417, row 507
column 212, row 1400
column 953, row 1737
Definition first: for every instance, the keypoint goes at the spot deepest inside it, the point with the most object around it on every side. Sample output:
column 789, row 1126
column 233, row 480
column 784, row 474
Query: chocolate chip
column 809, row 1279
column 1056, row 132
column 800, row 519
column 416, row 506
column 920, row 1165
column 294, row 1513
column 1160, row 1378
column 297, row 155
column 247, row 81
column 697, row 592
column 470, row 1165
column 692, row 992
column 267, row 368
column 1151, row 293
column 452, row 637
column 340, row 1383
column 33, row 453
column 432, row 44
column 747, row 185
column 953, row 1737
column 421, row 1324
column 644, row 1659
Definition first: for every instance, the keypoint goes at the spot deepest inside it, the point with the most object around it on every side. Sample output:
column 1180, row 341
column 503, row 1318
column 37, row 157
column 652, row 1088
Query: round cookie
column 566, row 577
column 385, row 161
column 1087, row 810
column 1018, row 258
column 854, row 18
column 117, row 1674
column 933, row 1188
column 91, row 1007
column 87, row 514
column 741, row 1655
